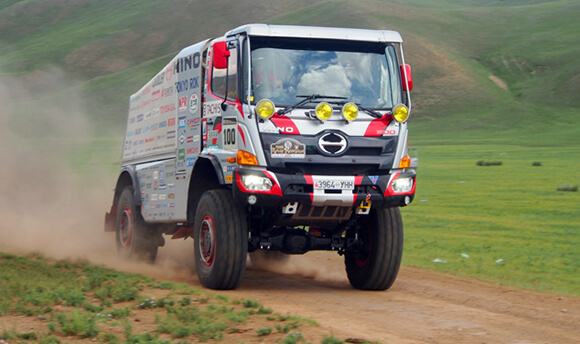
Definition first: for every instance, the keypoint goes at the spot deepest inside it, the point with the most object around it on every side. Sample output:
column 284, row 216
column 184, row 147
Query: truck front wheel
column 135, row 239
column 221, row 240
column 376, row 264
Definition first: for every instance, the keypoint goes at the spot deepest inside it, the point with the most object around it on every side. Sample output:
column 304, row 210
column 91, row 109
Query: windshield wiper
column 306, row 100
column 371, row 112
column 337, row 100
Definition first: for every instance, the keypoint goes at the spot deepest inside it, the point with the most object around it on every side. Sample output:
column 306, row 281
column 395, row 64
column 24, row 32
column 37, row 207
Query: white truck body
column 302, row 179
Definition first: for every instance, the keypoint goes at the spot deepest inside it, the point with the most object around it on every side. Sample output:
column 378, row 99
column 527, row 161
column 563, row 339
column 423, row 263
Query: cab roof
column 317, row 32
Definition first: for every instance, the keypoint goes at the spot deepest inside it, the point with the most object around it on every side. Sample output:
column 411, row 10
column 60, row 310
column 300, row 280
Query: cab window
column 218, row 80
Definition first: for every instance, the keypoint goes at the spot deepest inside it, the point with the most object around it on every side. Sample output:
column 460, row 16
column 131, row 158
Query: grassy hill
column 480, row 65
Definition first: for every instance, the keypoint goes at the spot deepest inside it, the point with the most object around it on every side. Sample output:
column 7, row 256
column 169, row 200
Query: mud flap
column 110, row 219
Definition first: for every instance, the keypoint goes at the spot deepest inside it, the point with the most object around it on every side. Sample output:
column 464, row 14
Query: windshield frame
column 385, row 51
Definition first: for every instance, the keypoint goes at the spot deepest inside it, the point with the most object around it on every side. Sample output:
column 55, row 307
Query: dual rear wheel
column 136, row 240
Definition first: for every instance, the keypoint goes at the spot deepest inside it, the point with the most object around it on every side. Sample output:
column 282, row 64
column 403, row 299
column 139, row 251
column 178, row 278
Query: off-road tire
column 220, row 240
column 136, row 240
column 376, row 265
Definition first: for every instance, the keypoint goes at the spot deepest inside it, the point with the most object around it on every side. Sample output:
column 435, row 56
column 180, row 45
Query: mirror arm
column 224, row 105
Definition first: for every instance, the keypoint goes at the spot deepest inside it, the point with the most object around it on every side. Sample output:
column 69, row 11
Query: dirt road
column 422, row 306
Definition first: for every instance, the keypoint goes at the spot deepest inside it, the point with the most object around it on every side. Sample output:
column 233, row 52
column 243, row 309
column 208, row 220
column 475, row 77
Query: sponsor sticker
column 193, row 104
column 182, row 103
column 288, row 148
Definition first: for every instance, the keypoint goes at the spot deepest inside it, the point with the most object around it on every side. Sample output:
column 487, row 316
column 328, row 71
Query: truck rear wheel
column 135, row 239
column 376, row 264
column 221, row 240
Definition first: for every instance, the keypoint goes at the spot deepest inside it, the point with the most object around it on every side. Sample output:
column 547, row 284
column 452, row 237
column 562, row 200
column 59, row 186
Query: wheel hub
column 126, row 228
column 207, row 241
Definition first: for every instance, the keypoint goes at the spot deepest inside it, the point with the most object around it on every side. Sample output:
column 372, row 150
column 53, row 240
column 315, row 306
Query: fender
column 127, row 176
column 204, row 176
column 215, row 163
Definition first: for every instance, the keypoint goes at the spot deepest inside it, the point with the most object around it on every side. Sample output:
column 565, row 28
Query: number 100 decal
column 229, row 133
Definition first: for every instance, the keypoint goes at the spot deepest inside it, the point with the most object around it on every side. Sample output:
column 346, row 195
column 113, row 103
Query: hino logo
column 332, row 144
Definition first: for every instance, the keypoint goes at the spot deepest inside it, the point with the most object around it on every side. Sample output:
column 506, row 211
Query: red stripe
column 286, row 124
column 377, row 126
column 276, row 188
column 242, row 135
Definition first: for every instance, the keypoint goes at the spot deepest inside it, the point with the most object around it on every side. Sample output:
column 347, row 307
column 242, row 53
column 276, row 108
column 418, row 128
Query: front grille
column 362, row 156
column 368, row 151
column 328, row 169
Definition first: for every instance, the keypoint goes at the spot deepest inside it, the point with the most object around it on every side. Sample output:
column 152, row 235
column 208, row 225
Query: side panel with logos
column 164, row 183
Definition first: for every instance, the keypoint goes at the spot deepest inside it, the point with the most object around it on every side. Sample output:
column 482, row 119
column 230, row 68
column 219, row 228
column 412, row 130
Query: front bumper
column 308, row 190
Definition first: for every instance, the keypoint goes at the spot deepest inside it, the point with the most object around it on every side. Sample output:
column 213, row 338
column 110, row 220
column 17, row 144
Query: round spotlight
column 265, row 108
column 350, row 111
column 323, row 111
column 400, row 113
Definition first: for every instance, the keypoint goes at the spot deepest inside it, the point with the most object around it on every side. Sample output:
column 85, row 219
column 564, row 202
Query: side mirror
column 220, row 55
column 406, row 77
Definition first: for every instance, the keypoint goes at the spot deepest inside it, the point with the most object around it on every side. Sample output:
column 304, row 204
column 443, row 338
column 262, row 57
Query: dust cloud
column 53, row 198
column 53, row 195
column 45, row 206
column 318, row 266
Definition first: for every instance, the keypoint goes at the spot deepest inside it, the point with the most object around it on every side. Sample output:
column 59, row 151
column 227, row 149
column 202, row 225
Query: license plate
column 333, row 184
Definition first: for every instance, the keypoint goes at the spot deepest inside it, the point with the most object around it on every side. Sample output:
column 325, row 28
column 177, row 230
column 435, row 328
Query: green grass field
column 68, row 301
column 511, row 213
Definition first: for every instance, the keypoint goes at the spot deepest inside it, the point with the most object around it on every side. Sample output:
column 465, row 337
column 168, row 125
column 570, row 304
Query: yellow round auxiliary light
column 265, row 108
column 401, row 113
column 323, row 111
column 350, row 111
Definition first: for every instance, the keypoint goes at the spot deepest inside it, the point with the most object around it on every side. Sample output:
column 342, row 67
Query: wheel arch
column 206, row 175
column 128, row 177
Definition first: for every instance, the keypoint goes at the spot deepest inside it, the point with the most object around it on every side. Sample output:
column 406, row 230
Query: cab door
column 222, row 108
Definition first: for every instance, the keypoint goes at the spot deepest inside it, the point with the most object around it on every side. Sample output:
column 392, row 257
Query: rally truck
column 271, row 140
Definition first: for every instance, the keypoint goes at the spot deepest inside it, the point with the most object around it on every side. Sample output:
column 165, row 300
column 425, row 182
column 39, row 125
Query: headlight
column 323, row 111
column 401, row 113
column 265, row 108
column 402, row 185
column 256, row 183
column 349, row 111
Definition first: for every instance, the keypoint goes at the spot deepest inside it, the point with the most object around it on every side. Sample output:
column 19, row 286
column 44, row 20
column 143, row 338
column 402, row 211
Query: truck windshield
column 285, row 69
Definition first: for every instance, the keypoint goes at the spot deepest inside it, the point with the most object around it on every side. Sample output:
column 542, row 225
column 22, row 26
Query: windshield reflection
column 366, row 76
